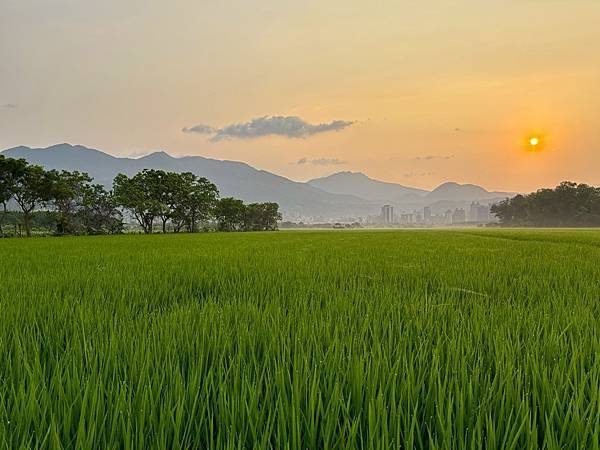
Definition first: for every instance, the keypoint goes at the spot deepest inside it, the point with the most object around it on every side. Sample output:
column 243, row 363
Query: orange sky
column 437, row 91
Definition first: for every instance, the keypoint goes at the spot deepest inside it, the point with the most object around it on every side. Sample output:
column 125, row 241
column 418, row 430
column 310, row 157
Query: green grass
column 409, row 339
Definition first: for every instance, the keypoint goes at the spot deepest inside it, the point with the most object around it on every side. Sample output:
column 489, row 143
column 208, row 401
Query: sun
column 534, row 142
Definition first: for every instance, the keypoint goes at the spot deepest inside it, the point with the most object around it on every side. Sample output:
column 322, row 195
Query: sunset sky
column 407, row 91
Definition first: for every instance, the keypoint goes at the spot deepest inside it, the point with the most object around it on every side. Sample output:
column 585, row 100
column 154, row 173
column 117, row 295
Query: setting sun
column 535, row 142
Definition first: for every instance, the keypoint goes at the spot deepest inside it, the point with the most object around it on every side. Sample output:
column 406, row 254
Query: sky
column 417, row 93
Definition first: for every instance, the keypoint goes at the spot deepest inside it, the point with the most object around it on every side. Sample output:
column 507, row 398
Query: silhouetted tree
column 230, row 214
column 568, row 205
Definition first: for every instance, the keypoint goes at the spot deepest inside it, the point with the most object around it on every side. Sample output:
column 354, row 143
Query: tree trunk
column 2, row 218
column 149, row 227
column 164, row 226
column 27, row 223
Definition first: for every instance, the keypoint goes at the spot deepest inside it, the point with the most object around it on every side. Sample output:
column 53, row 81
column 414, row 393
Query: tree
column 568, row 205
column 68, row 192
column 261, row 217
column 230, row 214
column 138, row 195
column 99, row 213
column 9, row 168
column 32, row 188
column 199, row 200
column 159, row 185
column 178, row 187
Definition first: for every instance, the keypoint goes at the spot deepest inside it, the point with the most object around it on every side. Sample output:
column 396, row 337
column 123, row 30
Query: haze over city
column 416, row 93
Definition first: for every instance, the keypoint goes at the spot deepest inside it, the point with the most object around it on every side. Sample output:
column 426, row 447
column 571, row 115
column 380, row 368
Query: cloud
column 288, row 126
column 430, row 157
column 201, row 129
column 9, row 106
column 321, row 161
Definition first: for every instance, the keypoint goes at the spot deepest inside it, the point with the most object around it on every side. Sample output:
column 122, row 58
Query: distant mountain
column 341, row 195
column 360, row 185
column 462, row 192
column 233, row 178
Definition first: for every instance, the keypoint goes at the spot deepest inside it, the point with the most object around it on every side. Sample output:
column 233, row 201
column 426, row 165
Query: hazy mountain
column 344, row 194
column 360, row 185
column 462, row 192
column 232, row 178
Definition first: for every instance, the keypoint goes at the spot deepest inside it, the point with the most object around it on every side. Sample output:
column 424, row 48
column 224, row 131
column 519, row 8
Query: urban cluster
column 476, row 214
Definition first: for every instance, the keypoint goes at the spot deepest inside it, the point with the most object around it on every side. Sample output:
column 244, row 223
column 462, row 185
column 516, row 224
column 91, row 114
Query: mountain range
column 344, row 194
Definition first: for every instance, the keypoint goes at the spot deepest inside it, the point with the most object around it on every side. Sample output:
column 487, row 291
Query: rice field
column 302, row 340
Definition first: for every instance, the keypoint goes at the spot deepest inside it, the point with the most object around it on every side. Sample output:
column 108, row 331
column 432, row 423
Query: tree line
column 568, row 205
column 173, row 201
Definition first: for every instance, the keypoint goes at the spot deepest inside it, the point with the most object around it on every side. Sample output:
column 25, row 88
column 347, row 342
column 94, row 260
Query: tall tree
column 159, row 186
column 178, row 187
column 68, row 192
column 8, row 171
column 99, row 213
column 230, row 214
column 200, row 199
column 568, row 205
column 32, row 188
column 261, row 217
column 136, row 194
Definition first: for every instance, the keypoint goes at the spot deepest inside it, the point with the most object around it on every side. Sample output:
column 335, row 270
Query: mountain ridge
column 342, row 194
column 233, row 178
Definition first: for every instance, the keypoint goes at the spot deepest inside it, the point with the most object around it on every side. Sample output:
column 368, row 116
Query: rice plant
column 302, row 340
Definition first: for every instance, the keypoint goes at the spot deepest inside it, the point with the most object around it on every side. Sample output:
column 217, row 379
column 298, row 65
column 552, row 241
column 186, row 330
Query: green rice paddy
column 302, row 340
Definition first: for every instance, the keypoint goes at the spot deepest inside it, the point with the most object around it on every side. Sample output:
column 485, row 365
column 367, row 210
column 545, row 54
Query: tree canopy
column 568, row 205
column 176, row 201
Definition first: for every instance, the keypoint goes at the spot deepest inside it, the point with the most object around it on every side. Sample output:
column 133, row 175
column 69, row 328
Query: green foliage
column 233, row 215
column 183, row 199
column 73, row 204
column 99, row 213
column 411, row 339
column 68, row 190
column 29, row 186
column 230, row 214
column 77, row 206
column 568, row 205
column 261, row 217
column 140, row 196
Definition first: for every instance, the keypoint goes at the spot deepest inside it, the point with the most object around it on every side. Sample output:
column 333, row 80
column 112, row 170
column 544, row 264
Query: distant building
column 387, row 214
column 427, row 214
column 407, row 219
column 459, row 216
column 479, row 213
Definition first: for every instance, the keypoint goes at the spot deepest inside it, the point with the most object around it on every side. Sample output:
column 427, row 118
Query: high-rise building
column 479, row 213
column 459, row 216
column 427, row 214
column 387, row 214
column 407, row 218
column 448, row 217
